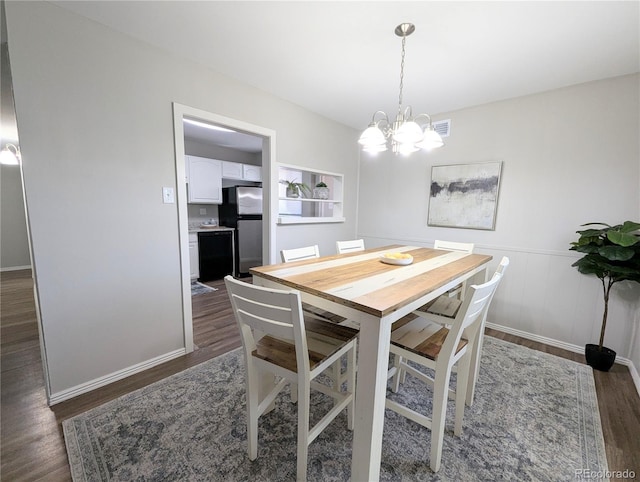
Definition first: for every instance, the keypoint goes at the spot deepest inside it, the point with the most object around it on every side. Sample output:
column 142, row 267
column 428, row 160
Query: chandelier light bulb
column 409, row 132
column 372, row 136
column 10, row 155
column 432, row 140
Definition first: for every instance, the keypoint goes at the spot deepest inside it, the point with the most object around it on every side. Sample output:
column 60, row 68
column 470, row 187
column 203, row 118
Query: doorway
column 180, row 113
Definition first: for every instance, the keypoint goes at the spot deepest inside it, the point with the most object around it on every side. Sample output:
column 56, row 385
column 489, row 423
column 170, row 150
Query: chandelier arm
column 423, row 115
column 384, row 115
column 407, row 113
column 382, row 123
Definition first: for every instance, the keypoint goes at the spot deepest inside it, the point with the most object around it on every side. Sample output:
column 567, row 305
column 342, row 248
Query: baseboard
column 112, row 377
column 15, row 268
column 566, row 346
column 635, row 376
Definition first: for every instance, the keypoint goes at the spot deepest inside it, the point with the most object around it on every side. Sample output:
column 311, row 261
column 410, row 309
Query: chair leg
column 440, row 397
column 303, row 431
column 351, row 385
column 399, row 375
column 474, row 368
column 336, row 375
column 253, row 388
column 462, row 384
column 294, row 392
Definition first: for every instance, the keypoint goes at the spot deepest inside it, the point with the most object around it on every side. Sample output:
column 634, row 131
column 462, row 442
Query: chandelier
column 10, row 155
column 406, row 134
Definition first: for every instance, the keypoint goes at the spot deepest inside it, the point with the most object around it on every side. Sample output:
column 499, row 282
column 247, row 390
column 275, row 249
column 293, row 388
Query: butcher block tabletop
column 363, row 281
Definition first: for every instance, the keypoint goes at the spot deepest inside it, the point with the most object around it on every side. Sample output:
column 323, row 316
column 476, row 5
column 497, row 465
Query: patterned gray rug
column 535, row 418
column 198, row 288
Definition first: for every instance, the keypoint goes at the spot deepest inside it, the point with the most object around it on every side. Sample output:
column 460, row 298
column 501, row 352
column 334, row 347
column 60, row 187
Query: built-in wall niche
column 310, row 207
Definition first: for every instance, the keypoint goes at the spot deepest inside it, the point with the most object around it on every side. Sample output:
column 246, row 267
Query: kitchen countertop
column 206, row 230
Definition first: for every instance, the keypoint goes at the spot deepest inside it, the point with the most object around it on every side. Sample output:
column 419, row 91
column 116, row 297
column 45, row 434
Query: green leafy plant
column 321, row 184
column 299, row 187
column 612, row 253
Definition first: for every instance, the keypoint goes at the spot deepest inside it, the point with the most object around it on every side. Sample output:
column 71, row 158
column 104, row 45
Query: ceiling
column 342, row 59
column 231, row 140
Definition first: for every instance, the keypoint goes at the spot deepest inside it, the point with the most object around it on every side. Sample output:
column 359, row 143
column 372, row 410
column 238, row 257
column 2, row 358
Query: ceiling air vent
column 442, row 127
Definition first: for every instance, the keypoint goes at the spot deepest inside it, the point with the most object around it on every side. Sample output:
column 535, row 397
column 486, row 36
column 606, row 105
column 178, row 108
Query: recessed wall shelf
column 306, row 209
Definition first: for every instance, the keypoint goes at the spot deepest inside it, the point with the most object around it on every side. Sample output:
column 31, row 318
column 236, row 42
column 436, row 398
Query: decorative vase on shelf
column 321, row 191
column 295, row 189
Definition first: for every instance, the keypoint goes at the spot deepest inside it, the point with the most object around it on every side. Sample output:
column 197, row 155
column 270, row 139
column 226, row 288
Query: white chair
column 461, row 248
column 277, row 341
column 451, row 310
column 447, row 303
column 299, row 254
column 311, row 252
column 440, row 348
column 350, row 246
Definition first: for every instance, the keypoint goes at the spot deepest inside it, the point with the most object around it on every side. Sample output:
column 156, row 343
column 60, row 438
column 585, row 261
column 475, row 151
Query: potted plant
column 612, row 253
column 294, row 189
column 321, row 191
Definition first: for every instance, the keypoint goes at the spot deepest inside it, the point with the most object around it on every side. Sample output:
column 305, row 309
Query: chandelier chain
column 404, row 39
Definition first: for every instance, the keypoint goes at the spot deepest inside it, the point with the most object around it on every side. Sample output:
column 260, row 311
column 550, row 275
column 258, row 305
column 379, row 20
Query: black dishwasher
column 215, row 253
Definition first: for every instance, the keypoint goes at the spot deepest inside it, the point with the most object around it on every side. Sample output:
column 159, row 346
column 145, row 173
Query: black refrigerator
column 241, row 209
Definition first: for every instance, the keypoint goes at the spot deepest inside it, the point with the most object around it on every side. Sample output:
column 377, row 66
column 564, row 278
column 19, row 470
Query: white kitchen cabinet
column 205, row 180
column 241, row 172
column 231, row 170
column 193, row 256
column 251, row 173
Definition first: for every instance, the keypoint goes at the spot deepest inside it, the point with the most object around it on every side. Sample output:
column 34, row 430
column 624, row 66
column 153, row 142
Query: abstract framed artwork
column 464, row 195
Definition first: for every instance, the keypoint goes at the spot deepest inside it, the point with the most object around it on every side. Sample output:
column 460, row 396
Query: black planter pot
column 599, row 359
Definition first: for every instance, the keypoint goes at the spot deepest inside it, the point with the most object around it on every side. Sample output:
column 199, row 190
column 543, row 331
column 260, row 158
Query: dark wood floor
column 32, row 444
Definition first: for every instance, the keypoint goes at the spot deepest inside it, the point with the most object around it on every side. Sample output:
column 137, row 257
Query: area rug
column 198, row 288
column 535, row 418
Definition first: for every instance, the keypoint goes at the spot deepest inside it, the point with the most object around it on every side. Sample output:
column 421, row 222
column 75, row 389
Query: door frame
column 269, row 173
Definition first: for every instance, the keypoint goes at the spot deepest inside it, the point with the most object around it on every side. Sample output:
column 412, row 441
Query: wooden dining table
column 361, row 287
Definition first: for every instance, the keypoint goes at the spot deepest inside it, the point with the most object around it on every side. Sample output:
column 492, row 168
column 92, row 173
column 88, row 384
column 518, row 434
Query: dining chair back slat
column 453, row 246
column 299, row 254
column 343, row 247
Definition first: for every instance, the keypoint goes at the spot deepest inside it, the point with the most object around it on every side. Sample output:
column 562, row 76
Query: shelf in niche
column 309, row 200
column 309, row 220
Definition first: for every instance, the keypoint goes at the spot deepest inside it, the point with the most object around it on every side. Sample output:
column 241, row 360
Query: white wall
column 14, row 241
column 570, row 156
column 96, row 130
column 14, row 244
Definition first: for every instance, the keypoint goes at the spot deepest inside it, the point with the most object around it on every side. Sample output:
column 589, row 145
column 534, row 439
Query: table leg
column 373, row 361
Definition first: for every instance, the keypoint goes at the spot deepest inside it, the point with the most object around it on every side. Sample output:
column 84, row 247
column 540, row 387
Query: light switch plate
column 168, row 196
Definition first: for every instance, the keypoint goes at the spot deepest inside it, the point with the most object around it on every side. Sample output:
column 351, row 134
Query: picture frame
column 464, row 195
